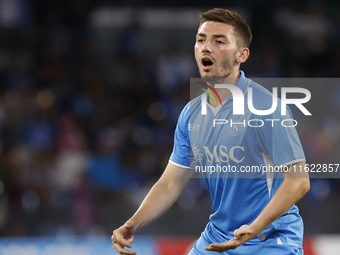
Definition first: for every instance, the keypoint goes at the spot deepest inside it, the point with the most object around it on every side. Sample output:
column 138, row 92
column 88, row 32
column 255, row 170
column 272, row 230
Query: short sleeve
column 180, row 155
column 279, row 139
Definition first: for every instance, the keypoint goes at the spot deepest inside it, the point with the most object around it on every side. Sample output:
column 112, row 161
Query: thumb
column 236, row 234
column 128, row 225
column 243, row 230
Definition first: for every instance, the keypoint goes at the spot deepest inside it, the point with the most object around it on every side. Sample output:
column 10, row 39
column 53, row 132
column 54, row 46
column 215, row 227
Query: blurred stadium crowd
column 87, row 114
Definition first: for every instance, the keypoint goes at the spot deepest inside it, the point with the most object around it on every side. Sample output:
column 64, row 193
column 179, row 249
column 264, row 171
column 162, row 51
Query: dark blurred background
column 91, row 91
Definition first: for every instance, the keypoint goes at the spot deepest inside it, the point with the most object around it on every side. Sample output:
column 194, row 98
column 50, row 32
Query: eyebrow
column 215, row 36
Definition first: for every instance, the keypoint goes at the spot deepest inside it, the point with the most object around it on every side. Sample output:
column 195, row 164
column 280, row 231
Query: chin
column 207, row 75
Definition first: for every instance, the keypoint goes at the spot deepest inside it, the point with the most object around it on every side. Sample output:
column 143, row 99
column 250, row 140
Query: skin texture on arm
column 159, row 199
column 293, row 188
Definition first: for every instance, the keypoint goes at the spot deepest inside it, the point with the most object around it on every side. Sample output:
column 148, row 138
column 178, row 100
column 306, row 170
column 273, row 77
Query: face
column 216, row 50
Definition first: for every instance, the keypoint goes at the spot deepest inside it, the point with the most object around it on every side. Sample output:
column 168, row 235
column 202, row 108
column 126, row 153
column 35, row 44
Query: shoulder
column 262, row 98
column 260, row 91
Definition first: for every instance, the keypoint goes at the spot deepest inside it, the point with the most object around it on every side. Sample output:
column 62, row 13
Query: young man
column 252, row 215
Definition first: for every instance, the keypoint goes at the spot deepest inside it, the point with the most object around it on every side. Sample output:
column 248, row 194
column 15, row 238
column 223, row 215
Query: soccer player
column 255, row 215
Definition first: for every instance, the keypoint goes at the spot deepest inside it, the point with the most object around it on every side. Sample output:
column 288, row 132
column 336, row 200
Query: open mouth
column 206, row 62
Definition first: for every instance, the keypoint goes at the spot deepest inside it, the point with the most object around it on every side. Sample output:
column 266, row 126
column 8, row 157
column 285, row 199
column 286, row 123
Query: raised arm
column 159, row 199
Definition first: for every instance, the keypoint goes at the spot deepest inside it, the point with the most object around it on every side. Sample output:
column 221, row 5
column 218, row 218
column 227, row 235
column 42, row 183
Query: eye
column 200, row 40
column 220, row 42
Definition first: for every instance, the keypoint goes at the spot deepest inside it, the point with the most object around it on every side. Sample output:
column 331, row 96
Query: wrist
column 134, row 223
column 256, row 229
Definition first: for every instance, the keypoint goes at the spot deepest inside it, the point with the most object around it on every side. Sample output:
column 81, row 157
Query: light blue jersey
column 233, row 156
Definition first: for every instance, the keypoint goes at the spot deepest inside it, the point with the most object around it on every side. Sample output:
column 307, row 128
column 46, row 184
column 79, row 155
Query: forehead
column 216, row 28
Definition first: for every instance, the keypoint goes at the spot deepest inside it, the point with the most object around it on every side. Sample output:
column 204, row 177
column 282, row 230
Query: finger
column 236, row 233
column 124, row 241
column 128, row 225
column 215, row 247
column 122, row 251
column 116, row 238
column 131, row 239
column 208, row 248
column 128, row 229
column 231, row 244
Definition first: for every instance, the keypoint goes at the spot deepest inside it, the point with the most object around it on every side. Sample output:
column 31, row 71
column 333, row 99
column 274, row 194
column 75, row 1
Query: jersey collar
column 242, row 83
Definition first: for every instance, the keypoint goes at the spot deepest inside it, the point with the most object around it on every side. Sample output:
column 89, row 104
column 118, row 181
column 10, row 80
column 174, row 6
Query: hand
column 123, row 237
column 241, row 235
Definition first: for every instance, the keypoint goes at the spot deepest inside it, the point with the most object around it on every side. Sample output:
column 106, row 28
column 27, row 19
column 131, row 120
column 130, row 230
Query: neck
column 235, row 73
column 224, row 93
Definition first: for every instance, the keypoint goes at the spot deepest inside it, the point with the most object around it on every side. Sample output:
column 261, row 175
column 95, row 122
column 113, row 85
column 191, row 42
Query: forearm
column 157, row 202
column 161, row 196
column 292, row 189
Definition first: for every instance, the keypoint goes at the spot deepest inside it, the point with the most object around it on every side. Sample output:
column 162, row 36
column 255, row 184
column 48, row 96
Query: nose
column 206, row 47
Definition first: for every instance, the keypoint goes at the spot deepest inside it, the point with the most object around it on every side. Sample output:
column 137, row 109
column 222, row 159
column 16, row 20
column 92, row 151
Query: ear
column 242, row 55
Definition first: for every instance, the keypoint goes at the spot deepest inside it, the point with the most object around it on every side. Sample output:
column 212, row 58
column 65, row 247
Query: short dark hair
column 229, row 17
